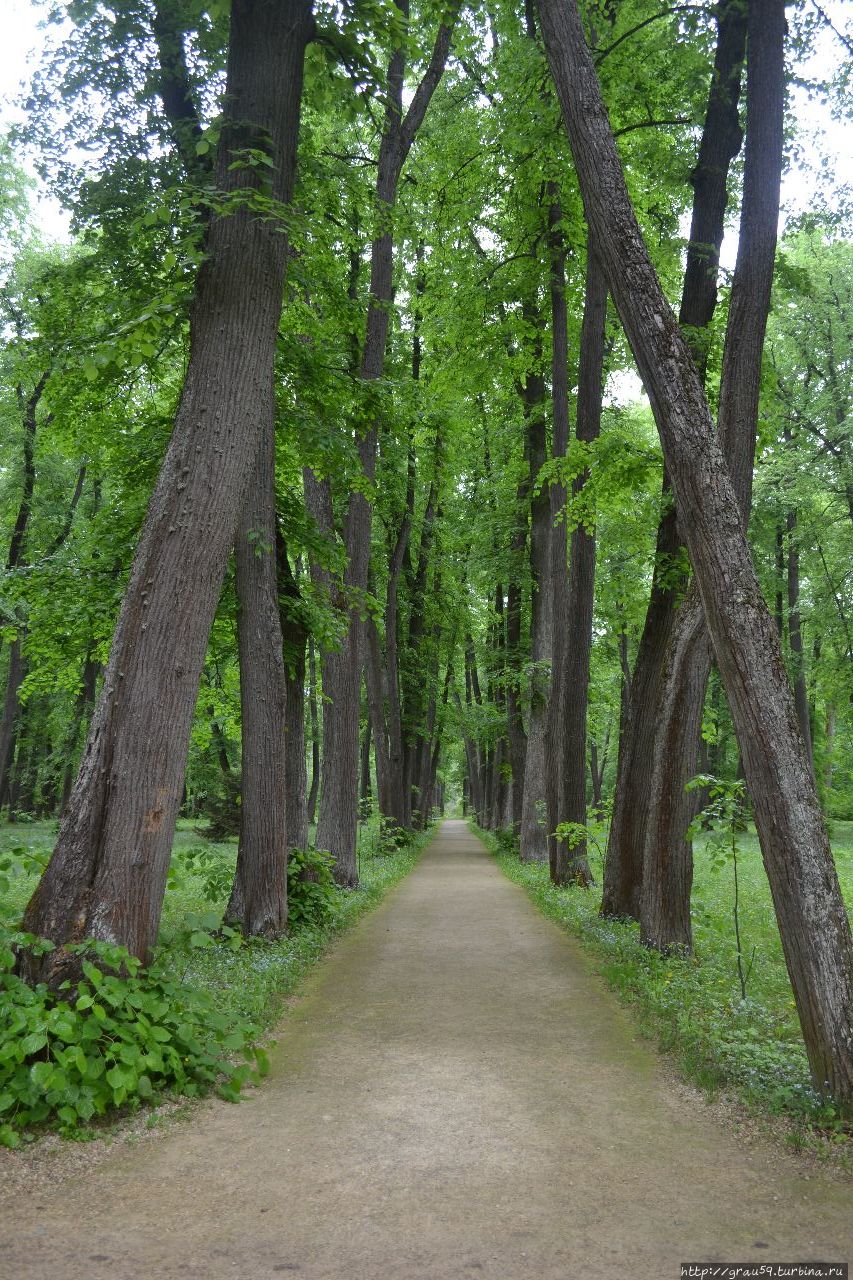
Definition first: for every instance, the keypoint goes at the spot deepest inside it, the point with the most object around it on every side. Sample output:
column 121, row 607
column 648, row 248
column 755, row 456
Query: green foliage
column 212, row 868
column 506, row 840
column 120, row 1036
column 311, row 888
column 220, row 805
column 593, row 834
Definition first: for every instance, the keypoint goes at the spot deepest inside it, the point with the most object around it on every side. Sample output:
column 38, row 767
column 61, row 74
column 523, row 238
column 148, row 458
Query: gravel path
column 453, row 1095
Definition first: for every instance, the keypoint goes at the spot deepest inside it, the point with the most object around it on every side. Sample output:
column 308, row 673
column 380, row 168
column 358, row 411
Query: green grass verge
column 692, row 1006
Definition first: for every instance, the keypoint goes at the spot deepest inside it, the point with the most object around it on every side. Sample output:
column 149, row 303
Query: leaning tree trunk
column 813, row 924
column 258, row 903
column 668, row 855
column 569, row 863
column 108, row 872
column 721, row 140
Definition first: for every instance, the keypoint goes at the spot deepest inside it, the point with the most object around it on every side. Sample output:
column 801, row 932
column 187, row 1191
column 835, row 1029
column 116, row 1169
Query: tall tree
column 667, row 873
column 108, row 872
column 813, row 924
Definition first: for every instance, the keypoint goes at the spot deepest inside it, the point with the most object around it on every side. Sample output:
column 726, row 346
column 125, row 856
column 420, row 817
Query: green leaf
column 32, row 1043
column 41, row 1074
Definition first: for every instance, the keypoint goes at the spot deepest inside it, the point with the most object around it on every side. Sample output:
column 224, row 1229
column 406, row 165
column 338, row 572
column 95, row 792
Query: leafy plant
column 311, row 890
column 211, row 866
column 121, row 1036
column 507, row 841
column 21, row 860
column 592, row 833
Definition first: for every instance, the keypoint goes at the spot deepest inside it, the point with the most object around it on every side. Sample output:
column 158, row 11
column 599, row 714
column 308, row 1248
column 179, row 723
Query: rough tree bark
column 668, row 855
column 258, row 897
column 399, row 802
column 108, row 872
column 516, row 736
column 364, row 788
column 720, row 143
column 813, row 923
column 337, row 826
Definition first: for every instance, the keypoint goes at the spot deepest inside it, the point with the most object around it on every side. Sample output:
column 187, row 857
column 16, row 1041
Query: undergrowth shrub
column 211, row 867
column 120, row 1036
column 311, row 890
column 507, row 841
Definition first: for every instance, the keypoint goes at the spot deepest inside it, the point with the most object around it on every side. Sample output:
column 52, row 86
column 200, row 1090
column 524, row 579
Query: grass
column 692, row 1006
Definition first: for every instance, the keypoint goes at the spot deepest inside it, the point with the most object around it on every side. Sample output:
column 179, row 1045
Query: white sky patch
column 20, row 50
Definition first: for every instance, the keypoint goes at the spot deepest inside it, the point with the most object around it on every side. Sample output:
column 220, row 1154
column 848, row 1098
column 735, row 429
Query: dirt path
column 453, row 1096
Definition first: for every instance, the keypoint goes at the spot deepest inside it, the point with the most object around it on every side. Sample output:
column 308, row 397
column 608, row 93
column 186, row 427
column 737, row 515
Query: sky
column 820, row 134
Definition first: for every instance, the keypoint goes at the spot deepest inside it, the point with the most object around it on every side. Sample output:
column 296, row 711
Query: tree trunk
column 364, row 789
column 828, row 746
column 813, row 924
column 555, row 737
column 533, row 841
column 668, row 864
column 14, row 679
column 569, row 865
column 375, row 683
column 721, row 140
column 516, row 737
column 258, row 903
column 399, row 798
column 16, row 671
column 108, row 872
column 415, row 702
column 315, row 734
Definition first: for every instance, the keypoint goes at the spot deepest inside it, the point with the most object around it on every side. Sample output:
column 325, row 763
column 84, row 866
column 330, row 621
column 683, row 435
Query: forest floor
column 454, row 1094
